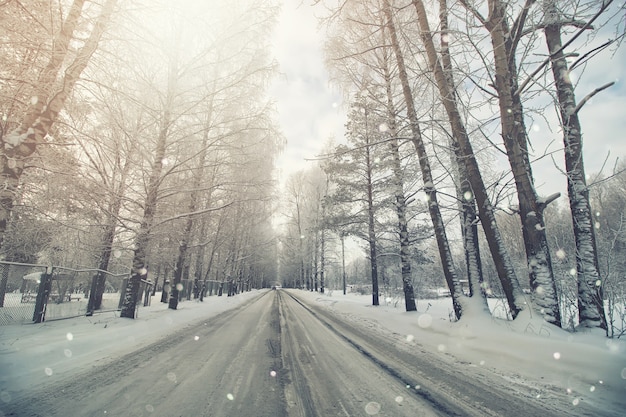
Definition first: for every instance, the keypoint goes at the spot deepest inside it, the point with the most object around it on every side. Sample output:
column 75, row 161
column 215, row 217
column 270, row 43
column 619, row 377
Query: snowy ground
column 585, row 367
column 37, row 353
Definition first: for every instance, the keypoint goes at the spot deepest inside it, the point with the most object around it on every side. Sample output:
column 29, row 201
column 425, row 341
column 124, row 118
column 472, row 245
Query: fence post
column 45, row 286
column 147, row 292
column 122, row 293
column 165, row 293
column 91, row 304
column 100, row 288
column 3, row 282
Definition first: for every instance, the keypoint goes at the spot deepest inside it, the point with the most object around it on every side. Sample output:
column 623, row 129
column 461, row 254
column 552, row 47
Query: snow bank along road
column 278, row 356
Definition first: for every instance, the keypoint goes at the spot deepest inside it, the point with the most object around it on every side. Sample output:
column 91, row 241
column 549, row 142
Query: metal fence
column 34, row 293
column 31, row 293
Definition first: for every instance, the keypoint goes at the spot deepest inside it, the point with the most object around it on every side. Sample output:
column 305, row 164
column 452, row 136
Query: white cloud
column 307, row 103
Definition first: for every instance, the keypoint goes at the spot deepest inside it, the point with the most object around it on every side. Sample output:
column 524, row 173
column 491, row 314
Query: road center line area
column 274, row 356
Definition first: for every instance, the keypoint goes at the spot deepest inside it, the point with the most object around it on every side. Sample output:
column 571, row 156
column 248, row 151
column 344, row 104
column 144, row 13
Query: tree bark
column 142, row 240
column 429, row 186
column 398, row 190
column 590, row 298
column 97, row 289
column 469, row 218
column 502, row 261
column 47, row 79
column 371, row 229
column 110, row 227
column 183, row 247
column 514, row 134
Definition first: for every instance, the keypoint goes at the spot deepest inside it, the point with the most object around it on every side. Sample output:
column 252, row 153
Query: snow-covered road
column 447, row 387
column 271, row 353
column 326, row 375
column 269, row 357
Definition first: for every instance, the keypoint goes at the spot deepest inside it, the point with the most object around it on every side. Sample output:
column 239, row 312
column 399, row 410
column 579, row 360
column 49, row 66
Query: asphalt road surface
column 276, row 356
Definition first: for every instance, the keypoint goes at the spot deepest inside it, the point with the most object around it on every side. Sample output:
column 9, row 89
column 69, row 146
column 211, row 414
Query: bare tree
column 505, row 39
column 398, row 188
column 469, row 218
column 501, row 259
column 429, row 183
column 48, row 100
column 590, row 296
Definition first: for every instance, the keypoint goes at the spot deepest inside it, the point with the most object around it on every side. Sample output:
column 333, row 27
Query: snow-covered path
column 264, row 353
column 452, row 381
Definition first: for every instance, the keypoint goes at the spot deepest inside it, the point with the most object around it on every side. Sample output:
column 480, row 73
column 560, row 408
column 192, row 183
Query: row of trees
column 424, row 86
column 139, row 137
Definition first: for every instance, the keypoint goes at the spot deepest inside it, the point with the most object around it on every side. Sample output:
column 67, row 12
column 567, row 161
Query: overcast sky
column 310, row 109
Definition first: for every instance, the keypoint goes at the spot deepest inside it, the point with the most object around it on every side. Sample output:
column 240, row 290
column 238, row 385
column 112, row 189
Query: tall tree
column 505, row 39
column 354, row 173
column 499, row 254
column 47, row 102
column 609, row 207
column 398, row 188
column 139, row 269
column 590, row 297
column 296, row 222
column 429, row 183
column 469, row 219
column 194, row 196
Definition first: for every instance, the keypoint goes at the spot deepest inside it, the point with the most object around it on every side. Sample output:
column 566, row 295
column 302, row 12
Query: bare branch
column 588, row 25
column 518, row 26
column 475, row 12
column 590, row 95
column 575, row 23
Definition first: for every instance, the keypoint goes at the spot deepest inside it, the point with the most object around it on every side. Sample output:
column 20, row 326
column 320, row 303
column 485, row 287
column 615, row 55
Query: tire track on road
column 438, row 383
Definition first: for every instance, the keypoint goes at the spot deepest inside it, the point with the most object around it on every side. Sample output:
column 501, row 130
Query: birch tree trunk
column 198, row 178
column 590, row 298
column 371, row 220
column 429, row 185
column 514, row 134
column 469, row 218
column 142, row 240
column 398, row 190
column 502, row 261
column 403, row 229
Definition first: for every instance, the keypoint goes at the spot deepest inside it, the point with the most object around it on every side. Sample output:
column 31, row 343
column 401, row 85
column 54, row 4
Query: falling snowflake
column 372, row 408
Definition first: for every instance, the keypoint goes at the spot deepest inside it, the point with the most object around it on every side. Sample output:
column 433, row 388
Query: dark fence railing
column 34, row 293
